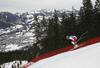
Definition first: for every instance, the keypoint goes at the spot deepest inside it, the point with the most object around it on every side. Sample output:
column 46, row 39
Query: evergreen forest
column 51, row 34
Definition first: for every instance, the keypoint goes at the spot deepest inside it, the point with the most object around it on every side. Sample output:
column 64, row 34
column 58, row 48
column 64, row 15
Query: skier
column 73, row 38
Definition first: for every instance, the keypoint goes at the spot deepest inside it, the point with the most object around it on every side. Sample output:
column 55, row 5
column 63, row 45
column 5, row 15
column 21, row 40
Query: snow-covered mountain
column 15, row 36
column 17, row 29
column 28, row 17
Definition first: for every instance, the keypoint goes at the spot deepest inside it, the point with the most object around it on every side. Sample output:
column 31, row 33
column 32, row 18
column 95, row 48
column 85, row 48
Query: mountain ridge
column 20, row 32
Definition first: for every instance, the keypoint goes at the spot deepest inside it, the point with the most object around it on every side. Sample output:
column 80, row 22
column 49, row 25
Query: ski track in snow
column 81, row 58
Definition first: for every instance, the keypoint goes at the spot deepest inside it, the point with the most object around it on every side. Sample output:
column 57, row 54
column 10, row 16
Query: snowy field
column 86, row 57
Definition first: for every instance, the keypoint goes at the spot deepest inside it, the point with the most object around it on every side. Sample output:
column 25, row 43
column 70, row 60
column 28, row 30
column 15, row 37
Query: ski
column 78, row 46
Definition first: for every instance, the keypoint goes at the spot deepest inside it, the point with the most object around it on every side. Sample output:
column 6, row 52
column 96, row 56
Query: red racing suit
column 73, row 38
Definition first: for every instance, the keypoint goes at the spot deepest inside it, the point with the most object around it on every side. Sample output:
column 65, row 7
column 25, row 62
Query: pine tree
column 38, row 30
column 43, row 27
column 35, row 50
column 63, row 30
column 47, row 42
column 50, row 42
column 97, row 6
column 86, row 18
column 81, row 21
column 56, row 30
column 36, row 27
column 97, row 17
column 72, row 21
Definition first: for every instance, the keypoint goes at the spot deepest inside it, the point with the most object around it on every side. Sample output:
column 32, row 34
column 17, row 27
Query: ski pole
column 81, row 37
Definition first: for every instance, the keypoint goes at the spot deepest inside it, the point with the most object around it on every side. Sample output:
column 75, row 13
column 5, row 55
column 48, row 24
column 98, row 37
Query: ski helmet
column 67, row 37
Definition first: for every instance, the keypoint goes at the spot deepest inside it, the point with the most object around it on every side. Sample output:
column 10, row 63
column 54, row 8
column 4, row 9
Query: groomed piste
column 86, row 56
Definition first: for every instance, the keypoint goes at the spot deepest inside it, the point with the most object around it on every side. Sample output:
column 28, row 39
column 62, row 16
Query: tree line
column 51, row 34
column 16, row 55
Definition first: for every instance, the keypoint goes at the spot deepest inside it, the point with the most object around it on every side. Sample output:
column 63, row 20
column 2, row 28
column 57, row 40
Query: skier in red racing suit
column 73, row 38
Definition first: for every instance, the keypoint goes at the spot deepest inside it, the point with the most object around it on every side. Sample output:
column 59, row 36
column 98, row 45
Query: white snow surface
column 86, row 57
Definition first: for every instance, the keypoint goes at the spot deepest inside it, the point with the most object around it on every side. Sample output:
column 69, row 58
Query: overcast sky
column 28, row 5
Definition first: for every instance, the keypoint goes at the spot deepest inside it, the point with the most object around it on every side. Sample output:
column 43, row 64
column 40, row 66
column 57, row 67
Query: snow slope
column 86, row 57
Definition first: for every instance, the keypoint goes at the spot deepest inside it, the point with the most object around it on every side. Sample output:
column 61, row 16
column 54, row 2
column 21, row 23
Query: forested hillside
column 51, row 33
